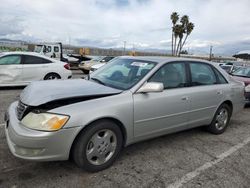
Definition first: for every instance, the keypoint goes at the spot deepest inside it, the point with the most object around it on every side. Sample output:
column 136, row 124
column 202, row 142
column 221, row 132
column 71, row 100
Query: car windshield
column 98, row 58
column 226, row 68
column 244, row 72
column 122, row 73
column 107, row 59
column 38, row 48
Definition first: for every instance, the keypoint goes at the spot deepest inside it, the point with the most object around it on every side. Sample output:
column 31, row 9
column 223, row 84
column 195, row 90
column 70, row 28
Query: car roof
column 162, row 60
column 25, row 53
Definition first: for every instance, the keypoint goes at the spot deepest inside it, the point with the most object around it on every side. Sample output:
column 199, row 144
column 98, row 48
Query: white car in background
column 21, row 68
column 99, row 65
column 96, row 66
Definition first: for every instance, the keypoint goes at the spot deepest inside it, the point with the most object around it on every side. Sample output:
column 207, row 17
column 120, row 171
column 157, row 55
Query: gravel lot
column 191, row 158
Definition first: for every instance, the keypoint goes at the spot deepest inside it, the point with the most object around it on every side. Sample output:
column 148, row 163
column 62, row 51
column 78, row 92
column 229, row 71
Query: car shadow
column 12, row 87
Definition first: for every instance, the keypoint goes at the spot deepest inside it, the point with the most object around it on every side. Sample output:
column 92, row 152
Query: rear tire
column 221, row 120
column 52, row 76
column 98, row 146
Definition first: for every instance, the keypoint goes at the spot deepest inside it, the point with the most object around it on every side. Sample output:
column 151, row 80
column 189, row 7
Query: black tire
column 81, row 144
column 214, row 127
column 52, row 76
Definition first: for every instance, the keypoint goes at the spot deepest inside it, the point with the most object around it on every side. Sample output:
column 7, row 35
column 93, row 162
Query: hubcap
column 52, row 77
column 101, row 147
column 221, row 119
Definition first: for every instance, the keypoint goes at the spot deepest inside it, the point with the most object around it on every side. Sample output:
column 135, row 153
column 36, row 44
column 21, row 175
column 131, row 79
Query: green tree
column 174, row 18
column 179, row 30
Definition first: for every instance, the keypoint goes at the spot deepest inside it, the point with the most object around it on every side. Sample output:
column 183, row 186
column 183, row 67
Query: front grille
column 20, row 110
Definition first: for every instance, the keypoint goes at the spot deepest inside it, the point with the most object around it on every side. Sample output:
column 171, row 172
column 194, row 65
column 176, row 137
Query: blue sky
column 144, row 24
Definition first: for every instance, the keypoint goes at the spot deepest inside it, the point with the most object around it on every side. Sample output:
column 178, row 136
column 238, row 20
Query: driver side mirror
column 151, row 87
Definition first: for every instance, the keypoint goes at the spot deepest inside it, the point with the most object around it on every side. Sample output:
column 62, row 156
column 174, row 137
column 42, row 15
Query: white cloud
column 144, row 23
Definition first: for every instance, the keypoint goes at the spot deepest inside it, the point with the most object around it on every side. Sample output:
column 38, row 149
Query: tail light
column 67, row 66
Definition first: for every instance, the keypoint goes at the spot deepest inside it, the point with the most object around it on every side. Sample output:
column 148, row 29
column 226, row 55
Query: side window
column 202, row 74
column 172, row 75
column 10, row 60
column 221, row 78
column 48, row 49
column 35, row 60
column 56, row 49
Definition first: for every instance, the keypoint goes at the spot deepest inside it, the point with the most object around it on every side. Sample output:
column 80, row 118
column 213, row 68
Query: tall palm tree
column 180, row 34
column 174, row 17
column 189, row 29
column 184, row 20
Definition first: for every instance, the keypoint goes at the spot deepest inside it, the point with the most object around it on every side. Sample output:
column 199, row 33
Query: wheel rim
column 52, row 77
column 101, row 147
column 221, row 119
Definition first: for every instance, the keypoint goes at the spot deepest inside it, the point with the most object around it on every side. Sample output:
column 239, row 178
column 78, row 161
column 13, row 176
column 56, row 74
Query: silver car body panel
column 141, row 116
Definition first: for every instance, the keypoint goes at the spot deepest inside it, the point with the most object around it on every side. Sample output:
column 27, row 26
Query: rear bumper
column 37, row 145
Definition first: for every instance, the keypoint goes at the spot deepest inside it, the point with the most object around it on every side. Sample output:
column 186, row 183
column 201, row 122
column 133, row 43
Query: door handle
column 184, row 98
column 219, row 92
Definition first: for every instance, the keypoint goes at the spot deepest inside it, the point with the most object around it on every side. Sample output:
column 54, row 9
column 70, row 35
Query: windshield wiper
column 99, row 81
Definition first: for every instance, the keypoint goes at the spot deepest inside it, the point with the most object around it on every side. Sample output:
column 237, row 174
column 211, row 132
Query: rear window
column 202, row 74
column 35, row 60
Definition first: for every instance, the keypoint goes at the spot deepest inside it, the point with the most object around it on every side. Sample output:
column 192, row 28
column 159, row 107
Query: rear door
column 207, row 93
column 34, row 68
column 10, row 69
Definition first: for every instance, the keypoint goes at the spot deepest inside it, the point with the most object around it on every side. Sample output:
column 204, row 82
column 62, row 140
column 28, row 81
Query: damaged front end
column 23, row 109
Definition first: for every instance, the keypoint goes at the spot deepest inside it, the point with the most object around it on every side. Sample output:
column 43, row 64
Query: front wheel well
column 230, row 104
column 116, row 121
column 50, row 74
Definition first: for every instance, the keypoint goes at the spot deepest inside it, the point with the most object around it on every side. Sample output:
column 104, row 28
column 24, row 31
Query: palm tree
column 174, row 17
column 189, row 29
column 179, row 32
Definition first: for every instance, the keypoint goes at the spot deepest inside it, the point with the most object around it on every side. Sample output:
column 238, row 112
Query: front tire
column 97, row 147
column 221, row 120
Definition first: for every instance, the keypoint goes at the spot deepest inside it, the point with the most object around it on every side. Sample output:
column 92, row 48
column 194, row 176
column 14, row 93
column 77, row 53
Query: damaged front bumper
column 37, row 145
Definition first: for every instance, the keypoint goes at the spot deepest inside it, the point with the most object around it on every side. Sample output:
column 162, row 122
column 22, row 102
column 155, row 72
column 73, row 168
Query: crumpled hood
column 41, row 92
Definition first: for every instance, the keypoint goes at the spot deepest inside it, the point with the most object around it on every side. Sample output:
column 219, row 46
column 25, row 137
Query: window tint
column 221, row 78
column 56, row 49
column 172, row 75
column 35, row 60
column 202, row 74
column 10, row 60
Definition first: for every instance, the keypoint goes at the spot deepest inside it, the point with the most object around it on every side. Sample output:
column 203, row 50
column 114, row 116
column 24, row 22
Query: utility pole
column 211, row 52
column 124, row 48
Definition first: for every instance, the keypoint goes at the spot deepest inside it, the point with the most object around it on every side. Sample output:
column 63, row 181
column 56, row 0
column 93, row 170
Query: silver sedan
column 126, row 101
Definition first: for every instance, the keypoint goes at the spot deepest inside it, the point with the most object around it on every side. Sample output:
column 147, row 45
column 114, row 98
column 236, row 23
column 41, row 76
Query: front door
column 159, row 113
column 10, row 70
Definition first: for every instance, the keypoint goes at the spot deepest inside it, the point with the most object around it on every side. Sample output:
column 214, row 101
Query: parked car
column 97, row 66
column 227, row 68
column 128, row 100
column 21, row 68
column 86, row 65
column 243, row 75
